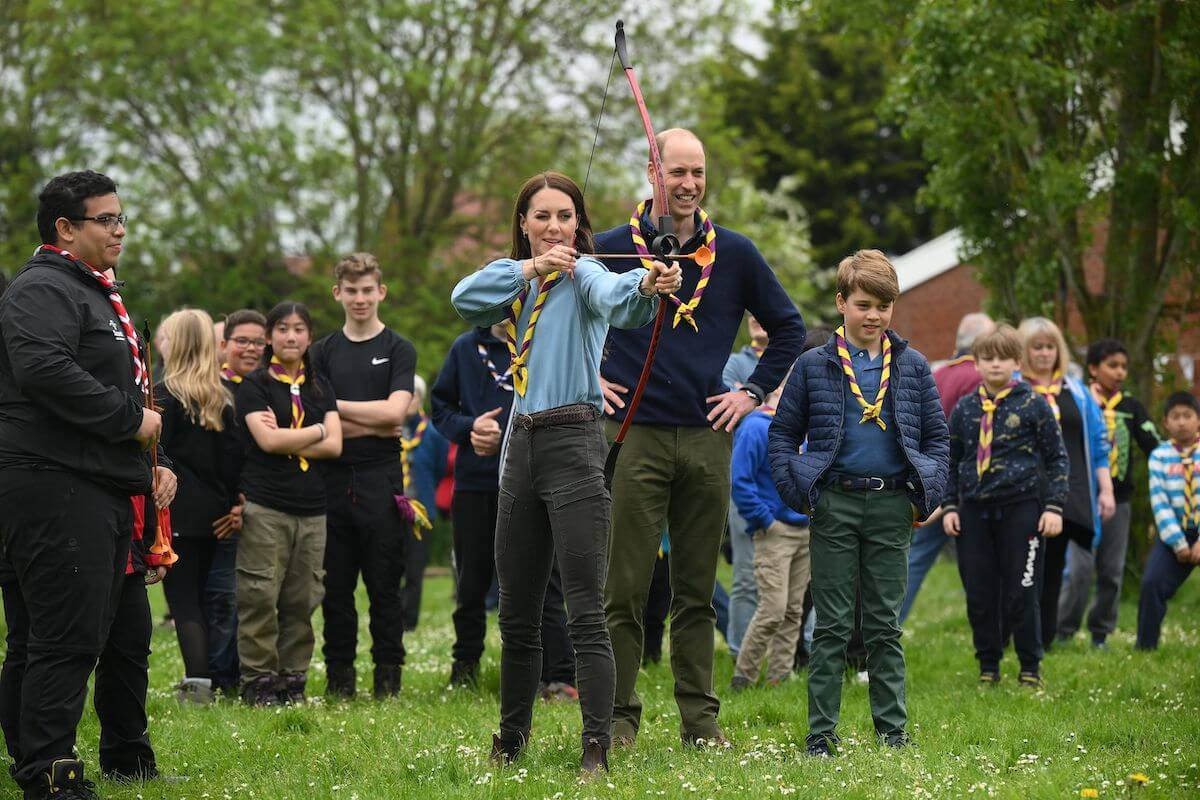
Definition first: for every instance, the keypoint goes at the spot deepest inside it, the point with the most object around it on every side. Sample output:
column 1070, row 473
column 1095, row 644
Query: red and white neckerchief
column 114, row 298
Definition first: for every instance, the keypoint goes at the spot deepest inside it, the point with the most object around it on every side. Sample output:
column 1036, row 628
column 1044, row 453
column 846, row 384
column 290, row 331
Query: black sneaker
column 820, row 747
column 898, row 741
column 261, row 691
column 64, row 781
column 341, row 682
column 989, row 677
column 1100, row 643
column 291, row 687
column 739, row 683
column 1031, row 680
column 464, row 674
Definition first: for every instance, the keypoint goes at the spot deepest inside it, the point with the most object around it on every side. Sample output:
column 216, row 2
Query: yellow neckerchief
column 1191, row 514
column 1050, row 391
column 1109, row 405
column 519, row 367
column 407, row 445
column 983, row 453
column 684, row 311
column 230, row 374
column 280, row 374
column 871, row 411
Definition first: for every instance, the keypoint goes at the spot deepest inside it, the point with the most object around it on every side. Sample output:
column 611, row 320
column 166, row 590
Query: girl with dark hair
column 291, row 416
column 553, row 502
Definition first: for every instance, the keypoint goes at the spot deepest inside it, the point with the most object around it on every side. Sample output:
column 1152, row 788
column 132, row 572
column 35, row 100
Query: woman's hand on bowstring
column 662, row 278
column 560, row 258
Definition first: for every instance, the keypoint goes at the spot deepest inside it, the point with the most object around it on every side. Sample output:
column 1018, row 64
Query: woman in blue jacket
column 1090, row 500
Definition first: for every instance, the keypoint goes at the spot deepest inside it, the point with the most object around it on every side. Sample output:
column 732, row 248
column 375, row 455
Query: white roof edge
column 929, row 260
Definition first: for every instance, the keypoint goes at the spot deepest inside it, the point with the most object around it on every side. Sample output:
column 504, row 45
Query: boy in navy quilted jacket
column 1006, row 490
column 876, row 458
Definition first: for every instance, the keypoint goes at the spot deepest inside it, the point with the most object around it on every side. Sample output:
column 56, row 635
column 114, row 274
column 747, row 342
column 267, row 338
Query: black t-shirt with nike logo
column 364, row 371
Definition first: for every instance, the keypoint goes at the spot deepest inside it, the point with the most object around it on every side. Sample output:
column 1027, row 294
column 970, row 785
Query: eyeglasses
column 245, row 341
column 109, row 221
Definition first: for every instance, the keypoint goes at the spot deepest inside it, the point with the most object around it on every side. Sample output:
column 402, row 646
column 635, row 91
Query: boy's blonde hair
column 870, row 271
column 1003, row 341
column 1042, row 328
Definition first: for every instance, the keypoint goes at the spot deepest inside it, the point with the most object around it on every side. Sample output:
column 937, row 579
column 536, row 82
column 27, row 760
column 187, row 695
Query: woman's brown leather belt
column 579, row 412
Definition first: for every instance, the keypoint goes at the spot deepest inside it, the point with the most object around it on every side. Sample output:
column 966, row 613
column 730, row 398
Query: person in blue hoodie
column 781, row 563
column 1090, row 502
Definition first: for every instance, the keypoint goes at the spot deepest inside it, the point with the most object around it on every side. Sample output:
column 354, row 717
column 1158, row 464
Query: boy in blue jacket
column 876, row 457
column 781, row 541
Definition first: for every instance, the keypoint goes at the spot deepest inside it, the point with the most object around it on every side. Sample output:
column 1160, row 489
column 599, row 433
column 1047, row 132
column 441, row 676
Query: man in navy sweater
column 674, row 467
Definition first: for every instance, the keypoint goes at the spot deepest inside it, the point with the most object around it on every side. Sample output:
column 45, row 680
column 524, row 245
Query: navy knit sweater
column 688, row 366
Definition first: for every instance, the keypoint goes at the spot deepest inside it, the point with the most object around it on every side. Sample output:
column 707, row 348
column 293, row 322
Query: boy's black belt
column 851, row 483
column 580, row 412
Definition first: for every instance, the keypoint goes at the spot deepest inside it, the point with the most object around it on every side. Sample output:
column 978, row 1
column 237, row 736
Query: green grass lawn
column 1102, row 717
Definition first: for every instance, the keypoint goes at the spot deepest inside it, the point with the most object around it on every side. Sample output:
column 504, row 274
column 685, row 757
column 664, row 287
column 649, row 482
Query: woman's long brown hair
column 584, row 242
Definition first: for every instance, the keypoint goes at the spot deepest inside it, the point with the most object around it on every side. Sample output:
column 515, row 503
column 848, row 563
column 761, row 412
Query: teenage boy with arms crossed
column 876, row 456
column 371, row 368
column 1126, row 421
column 1003, row 439
column 72, row 433
column 1175, row 499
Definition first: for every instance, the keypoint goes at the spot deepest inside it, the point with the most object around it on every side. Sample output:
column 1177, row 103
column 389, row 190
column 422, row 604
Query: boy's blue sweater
column 689, row 363
column 754, row 491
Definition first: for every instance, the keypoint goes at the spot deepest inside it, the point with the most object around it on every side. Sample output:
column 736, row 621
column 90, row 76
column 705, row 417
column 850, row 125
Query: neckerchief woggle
column 685, row 311
column 277, row 371
column 872, row 412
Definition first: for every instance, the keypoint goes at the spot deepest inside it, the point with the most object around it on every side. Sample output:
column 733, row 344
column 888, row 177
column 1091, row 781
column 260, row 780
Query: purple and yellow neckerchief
column 1050, row 391
column 685, row 311
column 230, row 374
column 872, row 412
column 758, row 349
column 111, row 291
column 280, row 374
column 519, row 367
column 983, row 454
column 1191, row 514
column 411, row 509
column 1111, row 401
column 501, row 381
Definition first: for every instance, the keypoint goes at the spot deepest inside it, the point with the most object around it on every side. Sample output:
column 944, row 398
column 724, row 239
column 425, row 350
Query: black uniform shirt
column 362, row 372
column 276, row 481
column 205, row 462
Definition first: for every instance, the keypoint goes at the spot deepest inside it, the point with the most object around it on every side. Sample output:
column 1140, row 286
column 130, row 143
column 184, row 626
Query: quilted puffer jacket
column 813, row 405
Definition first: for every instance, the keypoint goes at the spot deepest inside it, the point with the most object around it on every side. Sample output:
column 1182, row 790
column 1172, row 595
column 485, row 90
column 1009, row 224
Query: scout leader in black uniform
column 72, row 432
column 371, row 370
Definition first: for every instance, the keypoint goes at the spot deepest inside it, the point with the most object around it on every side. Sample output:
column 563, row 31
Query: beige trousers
column 781, row 568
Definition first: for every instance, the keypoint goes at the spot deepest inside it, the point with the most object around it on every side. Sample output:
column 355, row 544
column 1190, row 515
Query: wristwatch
column 755, row 391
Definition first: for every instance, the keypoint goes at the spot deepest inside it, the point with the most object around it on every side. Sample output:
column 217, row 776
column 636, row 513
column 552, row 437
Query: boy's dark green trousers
column 859, row 539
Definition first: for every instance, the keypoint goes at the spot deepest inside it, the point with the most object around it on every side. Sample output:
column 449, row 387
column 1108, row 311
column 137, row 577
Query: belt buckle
column 525, row 421
column 871, row 484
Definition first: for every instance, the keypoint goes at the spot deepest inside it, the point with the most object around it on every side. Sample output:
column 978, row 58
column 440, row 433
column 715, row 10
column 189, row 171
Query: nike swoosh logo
column 375, row 362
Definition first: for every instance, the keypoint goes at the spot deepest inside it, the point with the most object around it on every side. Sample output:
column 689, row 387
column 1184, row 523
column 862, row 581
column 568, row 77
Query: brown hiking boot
column 595, row 759
column 505, row 752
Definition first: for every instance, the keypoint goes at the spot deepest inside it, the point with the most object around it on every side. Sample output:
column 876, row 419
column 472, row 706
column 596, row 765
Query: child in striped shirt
column 1175, row 498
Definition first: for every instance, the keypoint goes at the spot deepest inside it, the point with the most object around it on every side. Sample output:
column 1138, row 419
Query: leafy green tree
column 1050, row 123
column 808, row 109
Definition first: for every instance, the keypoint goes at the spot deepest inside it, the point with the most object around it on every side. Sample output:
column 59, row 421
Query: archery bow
column 664, row 246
